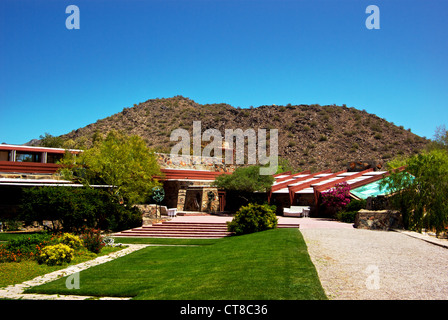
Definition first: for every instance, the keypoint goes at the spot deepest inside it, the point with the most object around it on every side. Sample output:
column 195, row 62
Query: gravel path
column 368, row 265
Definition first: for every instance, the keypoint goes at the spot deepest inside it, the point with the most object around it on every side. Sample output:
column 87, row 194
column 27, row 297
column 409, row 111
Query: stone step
column 222, row 224
column 172, row 232
column 288, row 225
column 165, row 234
column 169, row 229
column 184, row 229
column 192, row 213
column 180, row 229
column 194, row 224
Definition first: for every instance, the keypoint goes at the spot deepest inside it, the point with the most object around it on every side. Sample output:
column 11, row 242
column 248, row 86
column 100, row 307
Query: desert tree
column 118, row 160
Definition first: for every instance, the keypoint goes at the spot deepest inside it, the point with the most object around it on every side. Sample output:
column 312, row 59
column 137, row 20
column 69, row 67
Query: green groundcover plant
column 50, row 248
column 56, row 254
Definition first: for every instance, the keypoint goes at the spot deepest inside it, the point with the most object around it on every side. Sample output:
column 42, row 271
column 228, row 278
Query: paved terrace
column 305, row 223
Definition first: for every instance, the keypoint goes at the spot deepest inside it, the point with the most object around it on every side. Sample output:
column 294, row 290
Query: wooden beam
column 331, row 184
column 294, row 189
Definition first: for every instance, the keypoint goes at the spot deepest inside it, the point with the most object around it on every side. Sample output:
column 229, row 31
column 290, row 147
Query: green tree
column 245, row 179
column 419, row 191
column 440, row 140
column 47, row 140
column 244, row 185
column 124, row 162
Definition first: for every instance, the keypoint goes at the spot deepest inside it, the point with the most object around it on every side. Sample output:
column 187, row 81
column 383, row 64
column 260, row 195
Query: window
column 5, row 155
column 53, row 157
column 22, row 156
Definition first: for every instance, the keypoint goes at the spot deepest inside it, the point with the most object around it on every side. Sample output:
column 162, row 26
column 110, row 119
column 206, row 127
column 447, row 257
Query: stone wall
column 35, row 176
column 210, row 204
column 364, row 165
column 378, row 203
column 195, row 163
column 378, row 220
column 190, row 196
column 151, row 212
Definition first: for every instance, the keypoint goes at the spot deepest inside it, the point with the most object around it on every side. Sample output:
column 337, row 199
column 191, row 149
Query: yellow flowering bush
column 56, row 254
column 71, row 240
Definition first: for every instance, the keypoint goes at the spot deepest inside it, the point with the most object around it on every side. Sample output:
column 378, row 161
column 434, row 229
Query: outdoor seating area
column 172, row 212
column 296, row 211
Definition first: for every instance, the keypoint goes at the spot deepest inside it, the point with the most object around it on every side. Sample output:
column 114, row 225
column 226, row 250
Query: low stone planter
column 151, row 212
column 378, row 220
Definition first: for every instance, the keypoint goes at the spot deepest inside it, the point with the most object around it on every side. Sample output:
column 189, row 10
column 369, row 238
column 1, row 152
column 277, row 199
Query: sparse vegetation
column 300, row 124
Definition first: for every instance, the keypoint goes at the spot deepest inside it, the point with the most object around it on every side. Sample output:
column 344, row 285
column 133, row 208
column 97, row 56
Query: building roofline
column 36, row 149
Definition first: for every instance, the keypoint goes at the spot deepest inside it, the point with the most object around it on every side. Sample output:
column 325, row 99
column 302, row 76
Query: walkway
column 358, row 264
column 305, row 223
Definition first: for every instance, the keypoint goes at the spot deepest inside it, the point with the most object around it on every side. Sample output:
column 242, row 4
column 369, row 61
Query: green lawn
column 166, row 241
column 266, row 265
column 18, row 272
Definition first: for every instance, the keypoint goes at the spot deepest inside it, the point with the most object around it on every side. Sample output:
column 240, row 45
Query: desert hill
column 310, row 136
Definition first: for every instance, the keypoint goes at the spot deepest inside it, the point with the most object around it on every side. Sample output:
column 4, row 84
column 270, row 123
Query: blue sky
column 241, row 52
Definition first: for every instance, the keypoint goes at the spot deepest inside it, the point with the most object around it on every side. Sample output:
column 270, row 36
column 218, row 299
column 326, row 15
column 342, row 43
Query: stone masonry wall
column 151, row 212
column 195, row 163
column 378, row 220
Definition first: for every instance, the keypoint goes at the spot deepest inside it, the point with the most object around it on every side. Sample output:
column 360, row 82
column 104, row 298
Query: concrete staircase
column 183, row 229
column 169, row 229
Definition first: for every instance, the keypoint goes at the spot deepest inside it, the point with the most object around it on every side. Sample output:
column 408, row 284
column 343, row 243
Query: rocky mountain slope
column 310, row 136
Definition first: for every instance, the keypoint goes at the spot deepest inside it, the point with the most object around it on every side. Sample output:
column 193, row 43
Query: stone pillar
column 181, row 199
column 208, row 206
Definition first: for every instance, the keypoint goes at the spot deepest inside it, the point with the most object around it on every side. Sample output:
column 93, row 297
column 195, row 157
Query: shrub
column 26, row 247
column 56, row 254
column 71, row 240
column 337, row 197
column 419, row 191
column 253, row 218
column 72, row 207
column 346, row 216
column 76, row 208
column 93, row 240
column 356, row 205
column 120, row 218
column 12, row 225
column 350, row 210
